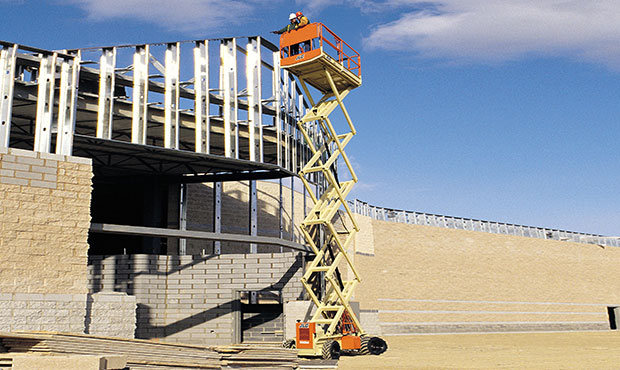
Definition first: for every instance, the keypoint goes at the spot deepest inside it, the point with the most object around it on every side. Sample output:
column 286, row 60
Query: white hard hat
column 292, row 16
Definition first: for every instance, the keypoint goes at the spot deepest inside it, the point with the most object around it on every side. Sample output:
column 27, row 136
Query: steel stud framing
column 7, row 82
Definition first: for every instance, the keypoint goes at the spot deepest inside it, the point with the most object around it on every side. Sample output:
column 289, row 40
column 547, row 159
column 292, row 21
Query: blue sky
column 505, row 110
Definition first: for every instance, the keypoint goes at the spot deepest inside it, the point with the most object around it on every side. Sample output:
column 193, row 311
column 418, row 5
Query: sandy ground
column 572, row 350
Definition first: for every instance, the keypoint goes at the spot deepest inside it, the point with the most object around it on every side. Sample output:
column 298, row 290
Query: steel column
column 217, row 217
column 287, row 117
column 171, row 97
column 292, row 208
column 228, row 86
column 281, row 212
column 276, row 81
column 255, row 111
column 45, row 104
column 139, row 123
column 201, row 97
column 105, row 115
column 183, row 218
column 67, row 104
column 253, row 215
column 8, row 57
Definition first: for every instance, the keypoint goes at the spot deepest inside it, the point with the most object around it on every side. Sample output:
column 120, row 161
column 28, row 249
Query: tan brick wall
column 424, row 274
column 44, row 222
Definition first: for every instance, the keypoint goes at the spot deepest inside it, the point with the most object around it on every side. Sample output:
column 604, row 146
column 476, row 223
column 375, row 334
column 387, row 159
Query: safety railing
column 460, row 223
column 316, row 38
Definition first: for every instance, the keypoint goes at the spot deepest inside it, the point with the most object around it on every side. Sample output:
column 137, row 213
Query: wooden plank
column 144, row 354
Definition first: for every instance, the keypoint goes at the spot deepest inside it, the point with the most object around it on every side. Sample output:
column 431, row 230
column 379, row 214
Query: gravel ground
column 568, row 350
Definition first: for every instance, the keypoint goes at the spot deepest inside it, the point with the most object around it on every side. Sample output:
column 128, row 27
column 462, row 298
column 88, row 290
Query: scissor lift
column 322, row 60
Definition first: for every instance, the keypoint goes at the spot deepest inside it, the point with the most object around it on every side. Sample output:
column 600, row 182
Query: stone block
column 75, row 362
column 13, row 181
column 43, row 184
column 51, row 156
column 30, row 161
column 7, row 173
column 79, row 160
column 23, row 153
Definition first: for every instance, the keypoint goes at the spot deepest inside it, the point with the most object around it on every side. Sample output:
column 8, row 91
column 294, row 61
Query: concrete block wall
column 111, row 314
column 192, row 299
column 266, row 326
column 42, row 312
column 44, row 222
column 431, row 279
column 236, row 213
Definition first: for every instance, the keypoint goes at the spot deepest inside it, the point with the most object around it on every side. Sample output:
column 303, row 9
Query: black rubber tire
column 331, row 350
column 373, row 345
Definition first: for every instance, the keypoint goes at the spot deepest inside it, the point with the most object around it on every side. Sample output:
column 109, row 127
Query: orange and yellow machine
column 321, row 59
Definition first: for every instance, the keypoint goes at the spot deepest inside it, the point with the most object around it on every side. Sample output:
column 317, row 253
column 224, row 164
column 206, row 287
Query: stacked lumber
column 6, row 361
column 255, row 357
column 151, row 355
column 141, row 354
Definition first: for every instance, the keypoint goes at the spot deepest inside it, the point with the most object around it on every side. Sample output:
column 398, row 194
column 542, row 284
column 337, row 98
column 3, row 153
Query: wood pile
column 151, row 355
column 254, row 357
column 6, row 361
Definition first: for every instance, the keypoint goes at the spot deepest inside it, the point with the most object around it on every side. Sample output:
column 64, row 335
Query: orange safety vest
column 302, row 22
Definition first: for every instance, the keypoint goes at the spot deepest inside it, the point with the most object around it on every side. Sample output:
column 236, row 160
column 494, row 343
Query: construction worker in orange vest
column 302, row 20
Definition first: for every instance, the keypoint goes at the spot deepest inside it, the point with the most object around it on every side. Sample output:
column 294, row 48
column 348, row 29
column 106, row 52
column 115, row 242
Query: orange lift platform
column 310, row 50
column 321, row 59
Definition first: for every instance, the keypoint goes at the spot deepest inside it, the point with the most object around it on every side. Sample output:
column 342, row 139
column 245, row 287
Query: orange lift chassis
column 321, row 59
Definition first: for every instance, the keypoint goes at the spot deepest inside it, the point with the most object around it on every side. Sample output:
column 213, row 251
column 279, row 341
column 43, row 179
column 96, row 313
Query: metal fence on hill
column 461, row 223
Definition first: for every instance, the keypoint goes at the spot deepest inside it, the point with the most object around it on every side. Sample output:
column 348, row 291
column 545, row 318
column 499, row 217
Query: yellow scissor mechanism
column 330, row 227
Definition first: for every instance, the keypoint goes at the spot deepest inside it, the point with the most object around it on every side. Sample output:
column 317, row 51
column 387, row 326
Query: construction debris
column 148, row 355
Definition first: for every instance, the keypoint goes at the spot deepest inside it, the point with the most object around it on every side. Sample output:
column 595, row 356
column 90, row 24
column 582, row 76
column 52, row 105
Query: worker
column 289, row 27
column 302, row 20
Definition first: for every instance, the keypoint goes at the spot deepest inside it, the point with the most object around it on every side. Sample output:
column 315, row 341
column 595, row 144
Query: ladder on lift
column 321, row 59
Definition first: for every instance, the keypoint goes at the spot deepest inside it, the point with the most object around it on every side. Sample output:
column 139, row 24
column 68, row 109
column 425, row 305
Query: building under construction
column 152, row 191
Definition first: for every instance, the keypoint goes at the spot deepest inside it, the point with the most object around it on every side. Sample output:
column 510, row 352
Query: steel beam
column 202, row 97
column 139, row 121
column 7, row 82
column 171, row 97
column 67, row 104
column 107, row 65
column 45, row 104
column 197, row 235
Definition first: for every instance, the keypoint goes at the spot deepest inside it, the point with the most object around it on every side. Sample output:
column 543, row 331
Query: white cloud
column 314, row 7
column 500, row 30
column 182, row 15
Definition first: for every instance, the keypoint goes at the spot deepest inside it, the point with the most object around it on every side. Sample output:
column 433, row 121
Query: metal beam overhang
column 199, row 235
column 113, row 158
